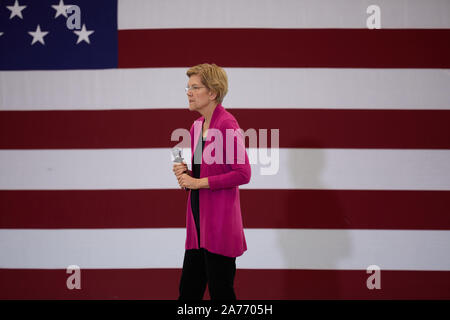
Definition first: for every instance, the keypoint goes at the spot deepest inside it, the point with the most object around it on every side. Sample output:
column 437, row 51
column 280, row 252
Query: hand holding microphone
column 179, row 167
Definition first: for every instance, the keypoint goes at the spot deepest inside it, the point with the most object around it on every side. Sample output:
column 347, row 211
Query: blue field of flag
column 34, row 35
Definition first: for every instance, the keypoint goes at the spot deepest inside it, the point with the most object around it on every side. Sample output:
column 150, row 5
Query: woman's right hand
column 179, row 169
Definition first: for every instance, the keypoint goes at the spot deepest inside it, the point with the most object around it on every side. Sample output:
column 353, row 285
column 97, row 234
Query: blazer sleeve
column 240, row 172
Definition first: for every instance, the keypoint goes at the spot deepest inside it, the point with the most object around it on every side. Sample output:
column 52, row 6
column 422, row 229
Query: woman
column 214, row 230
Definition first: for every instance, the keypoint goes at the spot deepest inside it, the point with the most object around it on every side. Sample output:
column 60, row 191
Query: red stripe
column 285, row 48
column 249, row 284
column 299, row 128
column 329, row 209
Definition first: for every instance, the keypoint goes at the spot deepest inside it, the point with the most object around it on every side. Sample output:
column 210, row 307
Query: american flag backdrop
column 86, row 117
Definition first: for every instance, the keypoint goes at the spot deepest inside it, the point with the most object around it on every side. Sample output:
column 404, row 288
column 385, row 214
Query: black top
column 195, row 201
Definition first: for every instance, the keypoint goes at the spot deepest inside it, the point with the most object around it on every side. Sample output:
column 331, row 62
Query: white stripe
column 347, row 249
column 145, row 14
column 157, row 88
column 371, row 169
column 267, row 249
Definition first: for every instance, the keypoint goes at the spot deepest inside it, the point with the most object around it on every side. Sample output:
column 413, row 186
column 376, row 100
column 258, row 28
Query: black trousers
column 201, row 267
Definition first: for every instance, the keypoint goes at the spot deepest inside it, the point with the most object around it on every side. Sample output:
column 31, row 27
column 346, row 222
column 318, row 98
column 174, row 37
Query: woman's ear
column 212, row 95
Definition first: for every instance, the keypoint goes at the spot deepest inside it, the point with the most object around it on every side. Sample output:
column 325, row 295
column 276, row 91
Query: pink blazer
column 221, row 228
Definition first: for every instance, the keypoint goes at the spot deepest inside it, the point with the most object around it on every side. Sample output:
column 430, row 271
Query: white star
column 61, row 9
column 83, row 34
column 16, row 10
column 38, row 35
column 1, row 33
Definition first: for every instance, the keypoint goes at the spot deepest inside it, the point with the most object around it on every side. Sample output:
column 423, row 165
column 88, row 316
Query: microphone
column 176, row 152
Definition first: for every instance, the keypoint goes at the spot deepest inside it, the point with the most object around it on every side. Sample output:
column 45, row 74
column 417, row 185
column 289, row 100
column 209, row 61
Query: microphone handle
column 186, row 171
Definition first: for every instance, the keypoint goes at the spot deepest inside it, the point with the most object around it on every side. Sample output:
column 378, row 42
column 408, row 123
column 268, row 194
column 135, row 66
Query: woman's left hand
column 186, row 181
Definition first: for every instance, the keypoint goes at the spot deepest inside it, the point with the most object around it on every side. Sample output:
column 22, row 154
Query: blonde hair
column 213, row 77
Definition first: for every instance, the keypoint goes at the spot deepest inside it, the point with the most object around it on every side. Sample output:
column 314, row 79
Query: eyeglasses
column 193, row 88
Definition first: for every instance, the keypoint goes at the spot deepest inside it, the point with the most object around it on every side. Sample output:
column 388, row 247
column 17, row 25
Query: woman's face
column 199, row 96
